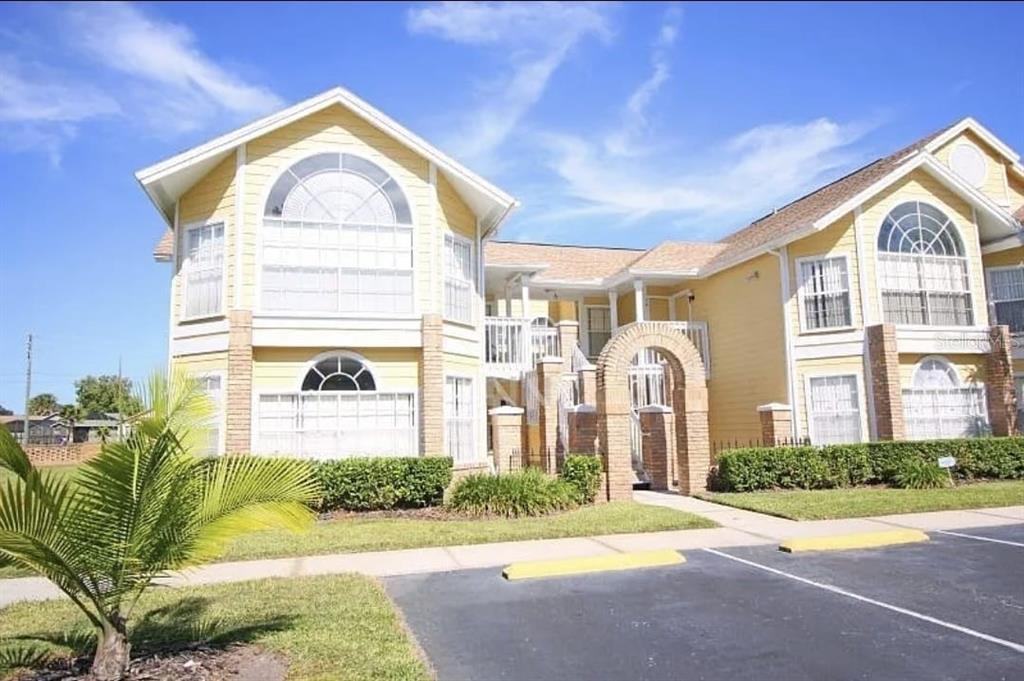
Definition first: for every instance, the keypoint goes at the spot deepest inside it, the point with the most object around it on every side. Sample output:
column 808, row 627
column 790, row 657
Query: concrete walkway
column 737, row 528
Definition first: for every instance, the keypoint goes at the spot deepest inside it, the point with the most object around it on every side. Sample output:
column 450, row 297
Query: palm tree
column 142, row 508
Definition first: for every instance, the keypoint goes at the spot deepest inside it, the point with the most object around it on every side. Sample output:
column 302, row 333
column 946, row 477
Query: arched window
column 937, row 404
column 339, row 372
column 923, row 268
column 337, row 237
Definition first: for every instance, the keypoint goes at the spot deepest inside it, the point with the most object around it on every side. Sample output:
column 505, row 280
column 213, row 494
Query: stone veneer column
column 432, row 388
column 506, row 424
column 776, row 423
column 568, row 337
column 238, row 433
column 885, row 381
column 659, row 444
column 1002, row 402
column 549, row 375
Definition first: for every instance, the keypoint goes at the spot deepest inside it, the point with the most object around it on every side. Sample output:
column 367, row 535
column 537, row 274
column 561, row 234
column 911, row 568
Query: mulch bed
column 202, row 663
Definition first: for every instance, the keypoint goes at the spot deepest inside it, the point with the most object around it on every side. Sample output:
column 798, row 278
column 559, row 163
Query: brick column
column 588, row 385
column 693, row 448
column 615, row 423
column 885, row 381
column 432, row 388
column 776, row 423
column 583, row 429
column 659, row 444
column 568, row 337
column 549, row 374
column 238, row 434
column 1002, row 402
column 506, row 424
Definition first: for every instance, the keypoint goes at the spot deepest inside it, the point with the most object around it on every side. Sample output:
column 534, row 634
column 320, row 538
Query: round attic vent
column 968, row 162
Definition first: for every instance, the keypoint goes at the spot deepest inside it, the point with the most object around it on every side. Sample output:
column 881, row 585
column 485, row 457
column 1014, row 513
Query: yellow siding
column 211, row 199
column 839, row 239
column 461, row 364
column 201, row 364
column 920, row 186
column 538, row 307
column 337, row 129
column 626, row 308
column 830, row 366
column 971, row 368
column 283, row 368
column 1007, row 258
column 744, row 316
column 1015, row 190
column 658, row 309
column 995, row 179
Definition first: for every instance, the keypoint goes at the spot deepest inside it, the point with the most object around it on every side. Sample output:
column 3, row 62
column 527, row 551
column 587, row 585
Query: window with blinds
column 1006, row 294
column 458, row 278
column 204, row 270
column 825, row 294
column 833, row 409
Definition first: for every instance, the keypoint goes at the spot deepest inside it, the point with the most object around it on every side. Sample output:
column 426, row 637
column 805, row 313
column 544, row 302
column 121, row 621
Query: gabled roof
column 166, row 181
column 676, row 258
column 549, row 263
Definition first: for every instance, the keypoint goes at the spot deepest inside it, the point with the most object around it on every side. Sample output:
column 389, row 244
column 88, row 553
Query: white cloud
column 531, row 39
column 624, row 140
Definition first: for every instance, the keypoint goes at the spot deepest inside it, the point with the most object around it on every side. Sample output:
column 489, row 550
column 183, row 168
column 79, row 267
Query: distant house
column 51, row 429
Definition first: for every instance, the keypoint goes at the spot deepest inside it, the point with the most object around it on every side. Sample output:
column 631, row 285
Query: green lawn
column 62, row 471
column 349, row 535
column 868, row 501
column 338, row 627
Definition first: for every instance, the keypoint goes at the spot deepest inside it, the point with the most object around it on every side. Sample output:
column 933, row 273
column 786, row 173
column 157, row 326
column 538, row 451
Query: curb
column 578, row 566
column 860, row 540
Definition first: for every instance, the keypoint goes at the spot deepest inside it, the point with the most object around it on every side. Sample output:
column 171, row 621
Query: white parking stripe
column 1016, row 647
column 974, row 536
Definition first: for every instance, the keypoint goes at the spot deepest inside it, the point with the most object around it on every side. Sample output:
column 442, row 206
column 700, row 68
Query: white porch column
column 508, row 299
column 638, row 292
column 524, row 296
column 613, row 308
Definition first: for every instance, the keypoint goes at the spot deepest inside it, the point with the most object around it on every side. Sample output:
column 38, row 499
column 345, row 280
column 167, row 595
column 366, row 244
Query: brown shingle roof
column 803, row 212
column 164, row 248
column 677, row 256
column 562, row 263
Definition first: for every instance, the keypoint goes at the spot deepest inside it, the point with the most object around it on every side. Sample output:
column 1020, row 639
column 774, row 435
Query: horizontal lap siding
column 995, row 180
column 837, row 240
column 201, row 364
column 335, row 129
column 745, row 324
column 212, row 199
column 970, row 368
column 1009, row 257
column 920, row 186
column 281, row 369
column 830, row 366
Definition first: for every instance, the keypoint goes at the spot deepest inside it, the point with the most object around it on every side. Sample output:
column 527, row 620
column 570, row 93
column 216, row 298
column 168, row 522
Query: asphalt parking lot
column 951, row 608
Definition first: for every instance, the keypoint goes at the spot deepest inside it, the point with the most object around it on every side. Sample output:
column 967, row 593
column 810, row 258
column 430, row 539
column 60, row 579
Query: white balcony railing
column 513, row 345
column 697, row 332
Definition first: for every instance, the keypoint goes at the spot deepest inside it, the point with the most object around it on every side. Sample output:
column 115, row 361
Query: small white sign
column 947, row 461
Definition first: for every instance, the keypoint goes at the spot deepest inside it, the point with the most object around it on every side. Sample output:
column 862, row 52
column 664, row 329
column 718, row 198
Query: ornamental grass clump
column 523, row 493
column 144, row 507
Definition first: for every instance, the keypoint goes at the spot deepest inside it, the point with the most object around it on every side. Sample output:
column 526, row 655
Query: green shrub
column 919, row 474
column 523, row 493
column 381, row 484
column 754, row 468
column 583, row 472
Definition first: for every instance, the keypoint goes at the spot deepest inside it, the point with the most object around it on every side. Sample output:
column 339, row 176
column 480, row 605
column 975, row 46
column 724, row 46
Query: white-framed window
column 824, row 287
column 599, row 328
column 459, row 421
column 833, row 409
column 1018, row 390
column 923, row 268
column 337, row 413
column 458, row 278
column 337, row 237
column 213, row 386
column 938, row 405
column 1006, row 295
column 204, row 270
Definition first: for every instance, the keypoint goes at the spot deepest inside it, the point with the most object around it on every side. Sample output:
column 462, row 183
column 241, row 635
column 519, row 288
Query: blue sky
column 614, row 124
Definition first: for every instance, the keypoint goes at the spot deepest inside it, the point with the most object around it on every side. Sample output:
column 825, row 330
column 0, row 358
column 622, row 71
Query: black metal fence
column 550, row 460
column 717, row 447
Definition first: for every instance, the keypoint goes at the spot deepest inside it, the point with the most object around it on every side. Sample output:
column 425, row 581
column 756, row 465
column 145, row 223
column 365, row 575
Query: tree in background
column 105, row 394
column 43, row 404
column 4, row 411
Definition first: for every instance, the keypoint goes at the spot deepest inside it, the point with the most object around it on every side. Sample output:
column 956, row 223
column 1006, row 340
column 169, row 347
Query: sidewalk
column 737, row 528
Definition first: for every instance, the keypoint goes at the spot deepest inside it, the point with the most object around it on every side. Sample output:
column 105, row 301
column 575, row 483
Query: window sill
column 831, row 329
column 202, row 318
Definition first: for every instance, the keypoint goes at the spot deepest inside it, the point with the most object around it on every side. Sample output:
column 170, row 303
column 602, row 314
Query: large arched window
column 337, row 237
column 923, row 268
column 339, row 372
column 937, row 404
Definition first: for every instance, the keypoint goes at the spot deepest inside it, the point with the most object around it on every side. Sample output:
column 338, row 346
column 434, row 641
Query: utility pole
column 28, row 390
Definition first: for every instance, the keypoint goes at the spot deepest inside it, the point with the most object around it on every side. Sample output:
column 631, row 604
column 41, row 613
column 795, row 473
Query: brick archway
column 689, row 403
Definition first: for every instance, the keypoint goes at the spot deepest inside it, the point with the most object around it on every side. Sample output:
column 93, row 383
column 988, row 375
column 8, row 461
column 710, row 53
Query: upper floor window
column 923, row 268
column 1006, row 292
column 204, row 270
column 824, row 293
column 337, row 237
column 458, row 278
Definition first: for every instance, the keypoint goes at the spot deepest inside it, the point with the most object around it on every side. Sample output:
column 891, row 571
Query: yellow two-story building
column 337, row 286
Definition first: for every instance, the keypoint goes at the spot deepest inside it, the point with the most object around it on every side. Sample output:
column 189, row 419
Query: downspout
column 783, row 255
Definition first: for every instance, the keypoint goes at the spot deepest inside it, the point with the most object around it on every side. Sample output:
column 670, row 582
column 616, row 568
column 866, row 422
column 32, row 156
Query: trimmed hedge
column 583, row 472
column 381, row 484
column 758, row 468
column 523, row 493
